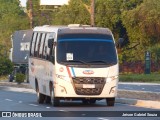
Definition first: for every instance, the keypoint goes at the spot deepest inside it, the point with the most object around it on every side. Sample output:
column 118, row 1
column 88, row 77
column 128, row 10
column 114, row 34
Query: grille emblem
column 88, row 72
column 88, row 79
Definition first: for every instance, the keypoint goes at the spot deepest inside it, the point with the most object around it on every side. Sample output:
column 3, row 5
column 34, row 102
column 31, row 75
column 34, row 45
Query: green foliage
column 12, row 17
column 155, row 52
column 130, row 4
column 40, row 15
column 142, row 25
column 20, row 78
column 6, row 67
column 74, row 13
column 3, row 77
column 155, row 78
column 107, row 13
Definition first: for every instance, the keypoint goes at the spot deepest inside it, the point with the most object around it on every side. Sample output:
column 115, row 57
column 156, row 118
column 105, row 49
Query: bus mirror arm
column 50, row 43
column 52, row 59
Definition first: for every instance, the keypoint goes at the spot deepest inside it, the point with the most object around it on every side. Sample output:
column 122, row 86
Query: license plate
column 88, row 85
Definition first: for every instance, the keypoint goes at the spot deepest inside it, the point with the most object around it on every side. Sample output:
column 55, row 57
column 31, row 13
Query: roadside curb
column 140, row 95
column 138, row 83
column 141, row 103
column 14, row 84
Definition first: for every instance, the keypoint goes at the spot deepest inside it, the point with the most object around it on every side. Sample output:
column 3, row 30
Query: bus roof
column 73, row 29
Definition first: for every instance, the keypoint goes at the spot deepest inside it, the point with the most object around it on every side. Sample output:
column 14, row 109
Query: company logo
column 88, row 72
column 6, row 114
column 61, row 69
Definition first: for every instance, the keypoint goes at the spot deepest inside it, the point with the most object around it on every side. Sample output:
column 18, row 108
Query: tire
column 40, row 96
column 48, row 100
column 54, row 100
column 110, row 101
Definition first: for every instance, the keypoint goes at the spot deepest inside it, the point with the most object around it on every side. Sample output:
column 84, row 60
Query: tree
column 12, row 17
column 6, row 67
column 74, row 13
column 143, row 26
column 109, row 14
column 41, row 14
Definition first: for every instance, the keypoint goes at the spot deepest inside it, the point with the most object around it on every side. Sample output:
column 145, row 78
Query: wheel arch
column 36, row 84
column 50, row 86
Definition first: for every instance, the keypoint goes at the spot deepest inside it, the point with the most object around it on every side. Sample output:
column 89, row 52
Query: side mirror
column 52, row 59
column 50, row 43
column 120, row 42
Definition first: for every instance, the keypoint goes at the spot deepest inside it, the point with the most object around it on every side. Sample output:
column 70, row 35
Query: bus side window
column 52, row 52
column 41, row 45
column 34, row 38
column 37, row 45
column 45, row 48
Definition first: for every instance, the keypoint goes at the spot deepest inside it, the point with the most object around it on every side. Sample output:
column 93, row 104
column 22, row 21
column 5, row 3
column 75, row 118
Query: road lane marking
column 83, row 114
column 48, row 107
column 33, row 105
column 8, row 100
column 61, row 110
column 103, row 119
column 137, row 83
column 143, row 88
column 20, row 102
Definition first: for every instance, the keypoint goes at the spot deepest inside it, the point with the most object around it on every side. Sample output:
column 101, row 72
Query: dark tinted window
column 34, row 38
column 42, row 45
column 46, row 49
column 75, row 36
column 83, row 50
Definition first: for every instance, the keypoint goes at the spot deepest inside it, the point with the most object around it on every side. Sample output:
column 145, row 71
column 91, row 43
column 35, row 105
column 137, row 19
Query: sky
column 23, row 2
column 47, row 2
column 53, row 2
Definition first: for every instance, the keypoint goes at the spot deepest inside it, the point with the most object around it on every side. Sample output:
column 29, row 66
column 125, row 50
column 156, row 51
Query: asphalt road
column 20, row 99
column 148, row 87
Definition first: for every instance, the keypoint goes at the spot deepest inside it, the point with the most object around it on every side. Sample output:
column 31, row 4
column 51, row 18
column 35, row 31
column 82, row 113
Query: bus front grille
column 88, row 80
column 96, row 83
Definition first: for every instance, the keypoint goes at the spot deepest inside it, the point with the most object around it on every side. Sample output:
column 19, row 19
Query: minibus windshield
column 71, row 51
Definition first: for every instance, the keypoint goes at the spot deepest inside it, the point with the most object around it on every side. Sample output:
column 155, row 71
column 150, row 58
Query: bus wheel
column 110, row 101
column 48, row 100
column 55, row 101
column 40, row 97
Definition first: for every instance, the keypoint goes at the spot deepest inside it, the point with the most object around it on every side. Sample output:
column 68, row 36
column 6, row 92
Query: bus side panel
column 31, row 73
column 41, row 71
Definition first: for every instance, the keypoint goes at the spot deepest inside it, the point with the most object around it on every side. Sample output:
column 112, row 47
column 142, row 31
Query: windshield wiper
column 80, row 61
column 102, row 61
